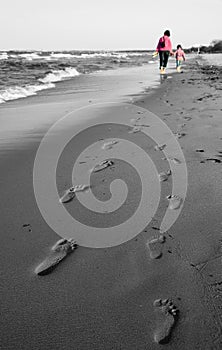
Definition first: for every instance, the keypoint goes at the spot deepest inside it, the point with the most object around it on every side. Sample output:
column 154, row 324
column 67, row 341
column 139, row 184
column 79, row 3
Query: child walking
column 164, row 48
column 180, row 57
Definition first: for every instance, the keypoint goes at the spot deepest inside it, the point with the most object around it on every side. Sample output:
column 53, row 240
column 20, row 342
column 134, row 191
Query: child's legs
column 178, row 63
column 165, row 58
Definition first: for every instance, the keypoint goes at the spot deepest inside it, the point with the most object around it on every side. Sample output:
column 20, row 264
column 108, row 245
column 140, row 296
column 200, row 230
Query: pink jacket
column 168, row 44
column 180, row 55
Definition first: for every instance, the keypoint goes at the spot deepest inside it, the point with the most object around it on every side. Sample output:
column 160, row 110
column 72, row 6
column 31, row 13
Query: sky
column 107, row 25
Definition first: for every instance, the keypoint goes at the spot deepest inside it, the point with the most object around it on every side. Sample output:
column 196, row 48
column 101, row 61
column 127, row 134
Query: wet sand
column 104, row 298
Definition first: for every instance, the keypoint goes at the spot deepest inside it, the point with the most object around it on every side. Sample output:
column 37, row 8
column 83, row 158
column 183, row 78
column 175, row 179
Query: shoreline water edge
column 159, row 288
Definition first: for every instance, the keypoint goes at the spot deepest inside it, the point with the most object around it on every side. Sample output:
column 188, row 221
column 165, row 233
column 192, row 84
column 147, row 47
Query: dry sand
column 107, row 298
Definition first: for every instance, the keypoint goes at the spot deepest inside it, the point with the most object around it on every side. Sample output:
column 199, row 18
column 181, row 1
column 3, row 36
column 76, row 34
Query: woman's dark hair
column 179, row 47
column 167, row 32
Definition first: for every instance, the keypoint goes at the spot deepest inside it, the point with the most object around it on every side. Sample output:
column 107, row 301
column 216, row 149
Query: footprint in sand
column 155, row 246
column 159, row 147
column 135, row 129
column 81, row 188
column 175, row 160
column 166, row 314
column 214, row 160
column 164, row 175
column 180, row 134
column 103, row 165
column 59, row 252
column 70, row 193
column 174, row 201
column 109, row 144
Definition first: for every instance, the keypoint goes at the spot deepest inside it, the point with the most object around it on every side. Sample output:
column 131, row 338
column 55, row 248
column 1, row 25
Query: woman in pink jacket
column 164, row 48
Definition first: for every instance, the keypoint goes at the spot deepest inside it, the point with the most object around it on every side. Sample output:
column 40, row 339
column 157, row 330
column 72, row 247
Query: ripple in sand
column 166, row 314
column 59, row 252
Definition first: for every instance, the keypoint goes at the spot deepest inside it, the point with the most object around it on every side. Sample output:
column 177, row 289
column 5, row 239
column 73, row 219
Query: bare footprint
column 175, row 160
column 68, row 195
column 166, row 314
column 164, row 175
column 59, row 251
column 180, row 134
column 103, row 165
column 155, row 246
column 159, row 147
column 81, row 188
column 135, row 129
column 109, row 144
column 174, row 201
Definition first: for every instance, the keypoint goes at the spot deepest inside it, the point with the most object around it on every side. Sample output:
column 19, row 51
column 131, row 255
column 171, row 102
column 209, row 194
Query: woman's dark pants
column 164, row 56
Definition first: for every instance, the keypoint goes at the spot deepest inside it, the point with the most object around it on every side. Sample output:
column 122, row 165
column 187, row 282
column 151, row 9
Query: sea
column 24, row 73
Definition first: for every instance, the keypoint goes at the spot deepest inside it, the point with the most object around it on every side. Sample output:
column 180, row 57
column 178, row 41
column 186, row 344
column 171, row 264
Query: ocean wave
column 16, row 92
column 58, row 75
column 30, row 56
column 3, row 56
column 60, row 55
column 105, row 55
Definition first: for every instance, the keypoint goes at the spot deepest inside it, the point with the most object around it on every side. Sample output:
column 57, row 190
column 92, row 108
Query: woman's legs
column 161, row 56
column 165, row 58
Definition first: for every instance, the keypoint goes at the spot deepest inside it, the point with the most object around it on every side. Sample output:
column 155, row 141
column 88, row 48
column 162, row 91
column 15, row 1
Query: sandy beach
column 104, row 298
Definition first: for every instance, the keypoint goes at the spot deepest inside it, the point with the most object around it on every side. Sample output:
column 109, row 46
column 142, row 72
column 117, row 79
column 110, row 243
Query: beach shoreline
column 103, row 298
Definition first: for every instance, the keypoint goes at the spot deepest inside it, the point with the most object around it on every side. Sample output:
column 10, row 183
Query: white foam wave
column 3, row 56
column 30, row 56
column 104, row 54
column 58, row 75
column 61, row 55
column 15, row 92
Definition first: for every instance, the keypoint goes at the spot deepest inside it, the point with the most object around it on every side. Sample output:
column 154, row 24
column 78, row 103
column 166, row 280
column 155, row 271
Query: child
column 164, row 48
column 180, row 56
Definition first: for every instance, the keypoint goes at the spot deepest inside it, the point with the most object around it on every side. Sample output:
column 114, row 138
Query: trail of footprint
column 58, row 253
column 155, row 246
column 166, row 313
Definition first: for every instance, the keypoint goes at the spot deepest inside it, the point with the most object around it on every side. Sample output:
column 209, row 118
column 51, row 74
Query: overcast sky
column 107, row 25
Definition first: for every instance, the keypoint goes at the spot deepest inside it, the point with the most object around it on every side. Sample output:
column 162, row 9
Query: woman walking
column 164, row 48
